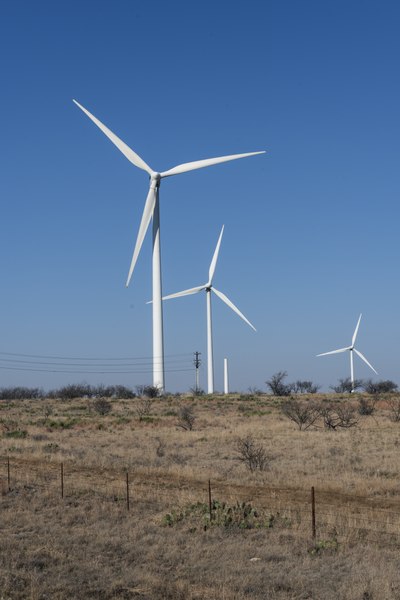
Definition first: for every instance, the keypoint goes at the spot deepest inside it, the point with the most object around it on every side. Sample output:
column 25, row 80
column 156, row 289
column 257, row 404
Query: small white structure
column 226, row 378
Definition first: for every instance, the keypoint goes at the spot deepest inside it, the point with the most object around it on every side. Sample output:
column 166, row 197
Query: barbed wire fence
column 314, row 514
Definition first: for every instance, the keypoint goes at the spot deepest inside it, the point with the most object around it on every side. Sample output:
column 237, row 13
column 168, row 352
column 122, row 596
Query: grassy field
column 258, row 541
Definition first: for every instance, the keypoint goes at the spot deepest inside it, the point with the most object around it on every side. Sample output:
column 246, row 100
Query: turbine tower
column 208, row 288
column 152, row 212
column 351, row 349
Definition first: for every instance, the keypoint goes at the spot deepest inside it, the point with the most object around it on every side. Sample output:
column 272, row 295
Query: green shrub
column 17, row 434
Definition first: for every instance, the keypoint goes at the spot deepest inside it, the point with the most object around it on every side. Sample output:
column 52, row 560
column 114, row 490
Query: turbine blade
column 194, row 290
column 208, row 162
column 126, row 151
column 146, row 217
column 356, row 330
column 232, row 306
column 335, row 351
column 365, row 360
column 215, row 258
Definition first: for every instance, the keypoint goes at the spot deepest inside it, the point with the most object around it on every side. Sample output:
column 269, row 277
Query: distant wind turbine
column 351, row 349
column 208, row 288
column 151, row 211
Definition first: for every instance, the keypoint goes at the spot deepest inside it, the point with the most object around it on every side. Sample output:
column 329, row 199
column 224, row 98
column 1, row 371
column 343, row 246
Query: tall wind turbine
column 208, row 288
column 351, row 349
column 151, row 211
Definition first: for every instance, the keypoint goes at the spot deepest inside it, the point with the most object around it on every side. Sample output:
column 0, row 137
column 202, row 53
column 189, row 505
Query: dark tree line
column 277, row 386
column 68, row 392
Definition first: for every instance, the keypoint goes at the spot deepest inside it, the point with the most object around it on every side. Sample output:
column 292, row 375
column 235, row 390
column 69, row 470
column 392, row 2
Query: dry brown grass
column 87, row 545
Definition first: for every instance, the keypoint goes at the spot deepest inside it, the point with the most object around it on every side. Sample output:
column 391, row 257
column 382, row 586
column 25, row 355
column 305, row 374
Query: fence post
column 8, row 474
column 209, row 499
column 313, row 513
column 62, row 480
column 127, row 490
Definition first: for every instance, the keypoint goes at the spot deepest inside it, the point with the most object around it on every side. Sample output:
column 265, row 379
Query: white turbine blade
column 335, row 351
column 365, row 360
column 356, row 331
column 194, row 290
column 126, row 151
column 146, row 217
column 215, row 258
column 208, row 162
column 232, row 306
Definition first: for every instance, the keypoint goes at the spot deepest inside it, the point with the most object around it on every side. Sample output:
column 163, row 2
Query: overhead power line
column 18, row 361
column 99, row 372
column 89, row 358
column 71, row 364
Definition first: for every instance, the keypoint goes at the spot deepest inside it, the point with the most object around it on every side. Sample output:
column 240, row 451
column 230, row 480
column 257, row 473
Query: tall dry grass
column 87, row 545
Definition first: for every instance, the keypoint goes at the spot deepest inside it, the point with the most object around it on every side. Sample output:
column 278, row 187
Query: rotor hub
column 155, row 178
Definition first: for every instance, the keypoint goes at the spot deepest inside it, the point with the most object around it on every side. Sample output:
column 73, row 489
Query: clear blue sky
column 311, row 227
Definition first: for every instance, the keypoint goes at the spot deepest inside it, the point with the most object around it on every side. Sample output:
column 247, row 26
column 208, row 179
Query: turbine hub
column 156, row 177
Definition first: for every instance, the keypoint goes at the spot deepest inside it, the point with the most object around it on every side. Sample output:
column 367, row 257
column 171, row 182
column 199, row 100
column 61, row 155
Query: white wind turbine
column 351, row 349
column 208, row 287
column 151, row 211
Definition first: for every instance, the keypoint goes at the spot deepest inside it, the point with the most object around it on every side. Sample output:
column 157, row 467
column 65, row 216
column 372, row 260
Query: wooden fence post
column 313, row 528
column 127, row 490
column 209, row 499
column 8, row 474
column 62, row 479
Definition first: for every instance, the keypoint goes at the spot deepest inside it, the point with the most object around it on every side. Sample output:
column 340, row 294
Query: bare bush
column 277, row 386
column 304, row 413
column 186, row 417
column 305, row 387
column 379, row 387
column 123, row 392
column 102, row 406
column 252, row 455
column 197, row 391
column 394, row 409
column 143, row 407
column 20, row 393
column 345, row 386
column 160, row 450
column 338, row 416
column 366, row 406
column 150, row 391
column 71, row 391
column 254, row 391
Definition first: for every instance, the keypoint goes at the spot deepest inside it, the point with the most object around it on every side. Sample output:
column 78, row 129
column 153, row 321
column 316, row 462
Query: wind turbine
column 208, row 288
column 152, row 211
column 351, row 349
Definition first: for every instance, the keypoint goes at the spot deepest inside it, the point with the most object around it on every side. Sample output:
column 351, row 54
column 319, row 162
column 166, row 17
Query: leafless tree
column 338, row 416
column 394, row 409
column 253, row 455
column 277, row 386
column 143, row 407
column 186, row 417
column 302, row 412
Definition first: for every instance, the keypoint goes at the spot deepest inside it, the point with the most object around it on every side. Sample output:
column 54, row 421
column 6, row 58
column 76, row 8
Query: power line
column 69, row 364
column 88, row 358
column 100, row 372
